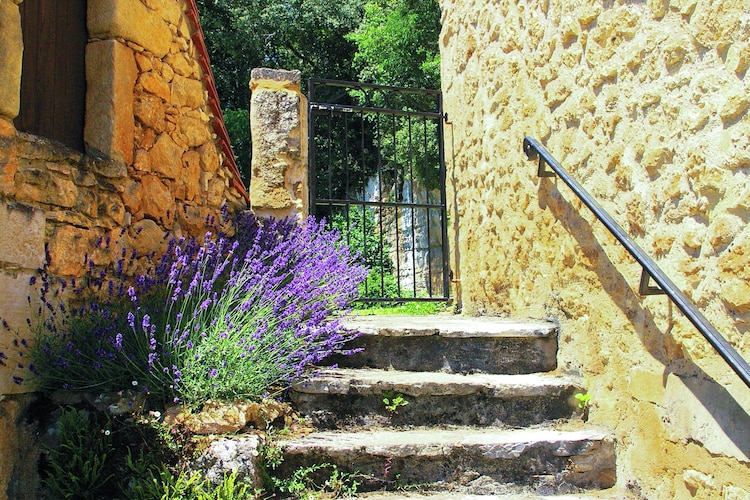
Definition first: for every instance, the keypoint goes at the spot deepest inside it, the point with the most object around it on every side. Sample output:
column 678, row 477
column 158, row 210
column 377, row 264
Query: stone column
column 278, row 124
column 111, row 73
column 11, row 59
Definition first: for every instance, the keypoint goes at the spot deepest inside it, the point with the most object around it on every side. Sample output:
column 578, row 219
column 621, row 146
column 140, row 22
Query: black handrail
column 533, row 149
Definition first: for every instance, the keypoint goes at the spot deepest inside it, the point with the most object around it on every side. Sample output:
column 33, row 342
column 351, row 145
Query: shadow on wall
column 455, row 271
column 716, row 420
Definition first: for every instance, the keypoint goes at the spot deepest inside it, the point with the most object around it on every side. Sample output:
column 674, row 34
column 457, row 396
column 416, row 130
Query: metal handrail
column 533, row 150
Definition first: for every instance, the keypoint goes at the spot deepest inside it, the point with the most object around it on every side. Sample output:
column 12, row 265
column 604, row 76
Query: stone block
column 148, row 237
column 19, row 441
column 149, row 109
column 165, row 157
column 187, row 92
column 210, row 159
column 713, row 23
column 192, row 219
column 240, row 454
column 196, row 131
column 735, row 105
column 191, row 174
column 155, row 84
column 180, row 64
column 110, row 77
column 37, row 185
column 736, row 293
column 131, row 196
column 23, row 242
column 274, row 78
column 15, row 309
column 11, row 55
column 646, row 385
column 68, row 248
column 167, row 9
column 157, row 199
column 131, row 20
column 738, row 57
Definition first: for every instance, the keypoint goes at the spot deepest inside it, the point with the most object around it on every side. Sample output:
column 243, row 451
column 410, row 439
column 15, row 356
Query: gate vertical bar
column 388, row 160
column 443, row 198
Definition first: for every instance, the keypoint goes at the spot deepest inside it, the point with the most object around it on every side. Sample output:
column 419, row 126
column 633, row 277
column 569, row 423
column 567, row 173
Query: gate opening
column 377, row 174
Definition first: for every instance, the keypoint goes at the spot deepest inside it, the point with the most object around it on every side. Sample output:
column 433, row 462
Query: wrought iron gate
column 377, row 173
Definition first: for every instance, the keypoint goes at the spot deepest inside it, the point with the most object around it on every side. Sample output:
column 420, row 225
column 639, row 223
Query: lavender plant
column 229, row 318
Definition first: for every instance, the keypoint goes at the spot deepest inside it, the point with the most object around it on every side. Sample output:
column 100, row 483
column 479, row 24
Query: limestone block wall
column 152, row 169
column 646, row 103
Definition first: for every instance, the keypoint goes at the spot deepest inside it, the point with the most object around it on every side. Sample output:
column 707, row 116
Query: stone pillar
column 110, row 78
column 278, row 124
column 11, row 58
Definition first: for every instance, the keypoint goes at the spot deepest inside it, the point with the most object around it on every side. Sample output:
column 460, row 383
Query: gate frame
column 318, row 107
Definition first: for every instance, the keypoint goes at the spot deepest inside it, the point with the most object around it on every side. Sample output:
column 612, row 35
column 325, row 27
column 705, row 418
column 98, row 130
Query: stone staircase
column 474, row 408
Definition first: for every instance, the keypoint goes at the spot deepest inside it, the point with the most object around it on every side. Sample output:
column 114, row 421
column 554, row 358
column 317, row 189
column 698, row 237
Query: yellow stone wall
column 646, row 104
column 152, row 169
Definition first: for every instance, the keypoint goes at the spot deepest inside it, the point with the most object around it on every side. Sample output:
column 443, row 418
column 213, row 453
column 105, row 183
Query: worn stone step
column 354, row 397
column 608, row 494
column 386, row 459
column 454, row 344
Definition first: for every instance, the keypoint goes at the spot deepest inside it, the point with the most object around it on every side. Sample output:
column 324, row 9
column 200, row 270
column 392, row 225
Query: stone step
column 458, row 494
column 453, row 344
column 354, row 397
column 548, row 457
column 463, row 493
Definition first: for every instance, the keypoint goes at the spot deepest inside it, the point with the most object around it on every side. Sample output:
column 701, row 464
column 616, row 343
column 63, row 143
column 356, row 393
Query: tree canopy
column 388, row 42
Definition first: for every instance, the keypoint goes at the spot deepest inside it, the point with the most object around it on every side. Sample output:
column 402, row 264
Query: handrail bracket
column 645, row 287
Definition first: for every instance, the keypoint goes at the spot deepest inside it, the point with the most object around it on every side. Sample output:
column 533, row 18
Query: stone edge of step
column 369, row 381
column 449, row 326
column 494, row 443
column 596, row 495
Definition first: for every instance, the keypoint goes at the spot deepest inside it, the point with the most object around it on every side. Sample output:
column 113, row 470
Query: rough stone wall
column 646, row 103
column 151, row 170
column 152, row 167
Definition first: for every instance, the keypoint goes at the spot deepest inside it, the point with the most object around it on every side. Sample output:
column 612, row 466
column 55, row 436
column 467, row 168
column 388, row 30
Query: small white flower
column 106, row 432
column 134, row 382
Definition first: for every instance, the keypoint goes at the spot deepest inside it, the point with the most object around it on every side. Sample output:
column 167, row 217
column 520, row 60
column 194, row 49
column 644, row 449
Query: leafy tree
column 308, row 35
column 397, row 43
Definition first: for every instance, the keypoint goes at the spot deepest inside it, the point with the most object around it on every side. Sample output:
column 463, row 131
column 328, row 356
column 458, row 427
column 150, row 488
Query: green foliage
column 237, row 122
column 583, row 399
column 317, row 481
column 397, row 43
column 393, row 42
column 160, row 483
column 406, row 309
column 307, row 35
column 362, row 236
column 78, row 465
column 89, row 461
column 393, row 402
column 225, row 319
